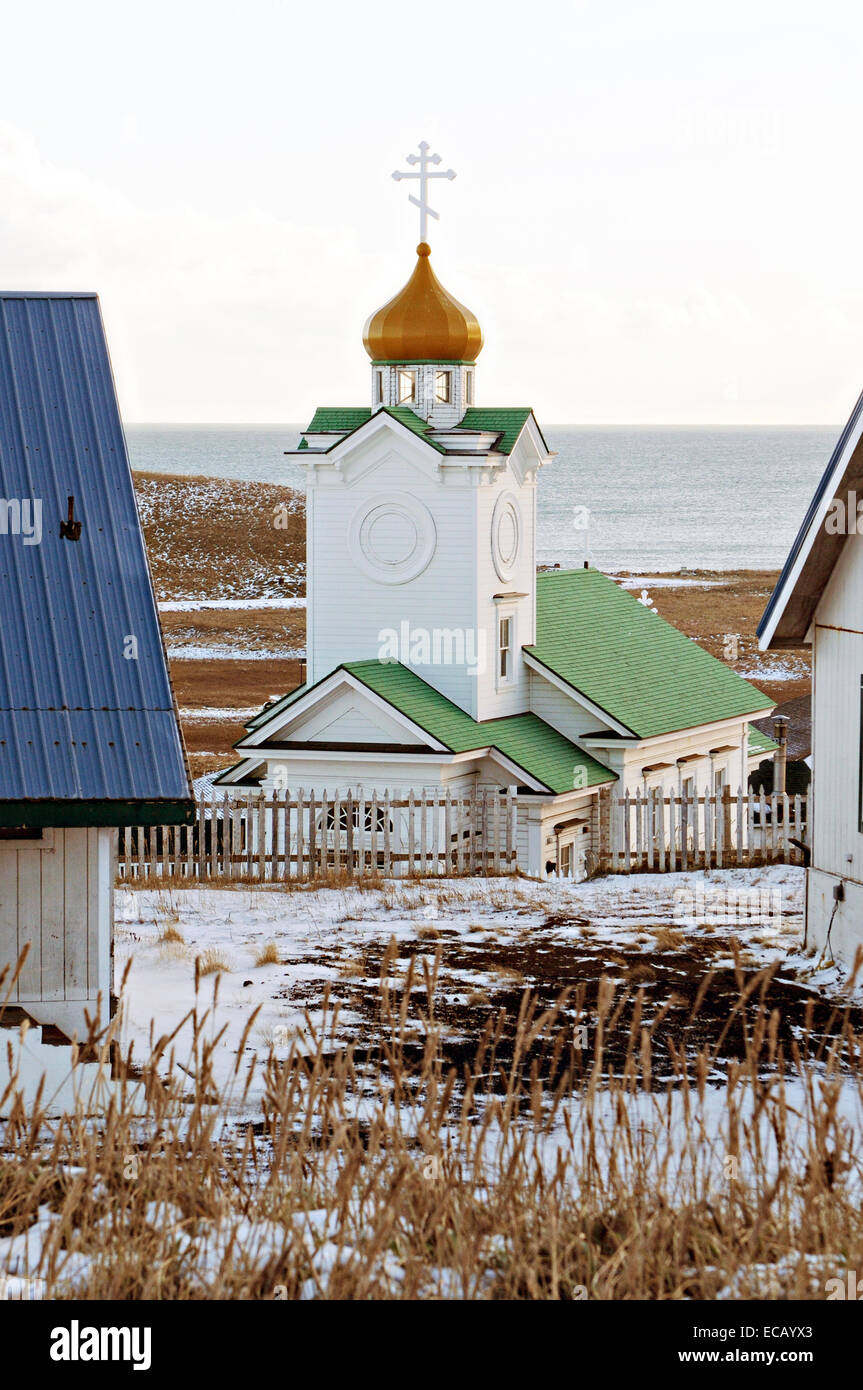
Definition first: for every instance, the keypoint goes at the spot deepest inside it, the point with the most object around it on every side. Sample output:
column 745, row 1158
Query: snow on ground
column 323, row 935
column 666, row 581
column 220, row 652
column 189, row 605
column 775, row 671
column 211, row 713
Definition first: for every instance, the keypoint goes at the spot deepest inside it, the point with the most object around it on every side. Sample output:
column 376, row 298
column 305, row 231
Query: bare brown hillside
column 218, row 538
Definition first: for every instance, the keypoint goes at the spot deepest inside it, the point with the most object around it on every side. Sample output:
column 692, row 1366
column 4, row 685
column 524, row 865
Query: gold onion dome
column 423, row 322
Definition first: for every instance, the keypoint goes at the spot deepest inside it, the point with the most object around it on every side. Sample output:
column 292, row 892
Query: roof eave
column 814, row 554
column 97, row 812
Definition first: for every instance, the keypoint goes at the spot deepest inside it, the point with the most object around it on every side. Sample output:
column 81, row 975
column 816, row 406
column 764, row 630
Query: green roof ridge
column 344, row 419
column 406, row 416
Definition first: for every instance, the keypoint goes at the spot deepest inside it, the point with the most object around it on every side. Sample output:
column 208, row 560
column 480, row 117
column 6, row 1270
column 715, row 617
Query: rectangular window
column 505, row 648
column 407, row 387
column 443, row 387
column 468, row 388
column 718, row 780
column 379, row 394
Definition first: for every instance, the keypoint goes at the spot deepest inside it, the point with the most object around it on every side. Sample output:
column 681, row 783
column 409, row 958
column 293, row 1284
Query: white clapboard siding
column 56, row 900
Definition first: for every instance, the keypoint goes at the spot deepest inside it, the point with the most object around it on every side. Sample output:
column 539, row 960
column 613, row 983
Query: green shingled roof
column 759, row 742
column 413, row 421
column 342, row 420
column 330, row 418
column 628, row 661
column 511, row 421
column 526, row 739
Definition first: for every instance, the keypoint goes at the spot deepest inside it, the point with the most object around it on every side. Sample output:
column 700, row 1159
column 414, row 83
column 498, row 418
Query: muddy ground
column 682, row 989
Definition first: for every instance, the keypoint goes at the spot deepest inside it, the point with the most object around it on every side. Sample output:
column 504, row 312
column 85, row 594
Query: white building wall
column 695, row 744
column 836, row 922
column 496, row 699
column 449, row 604
column 56, row 895
column 837, row 664
column 560, row 710
column 349, row 610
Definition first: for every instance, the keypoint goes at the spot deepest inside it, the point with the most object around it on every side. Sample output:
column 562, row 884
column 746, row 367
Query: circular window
column 392, row 537
column 505, row 535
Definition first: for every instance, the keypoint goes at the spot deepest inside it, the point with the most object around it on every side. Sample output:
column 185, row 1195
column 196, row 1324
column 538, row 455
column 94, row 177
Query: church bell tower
column 421, row 508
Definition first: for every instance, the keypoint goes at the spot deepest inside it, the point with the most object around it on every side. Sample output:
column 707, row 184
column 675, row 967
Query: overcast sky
column 657, row 214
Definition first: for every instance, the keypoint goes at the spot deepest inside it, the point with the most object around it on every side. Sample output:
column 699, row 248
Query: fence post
column 312, row 834
column 709, row 838
column 726, row 825
column 511, row 829
column 388, row 850
column 374, row 833
column 337, row 833
column 262, row 835
column 484, row 829
column 604, row 800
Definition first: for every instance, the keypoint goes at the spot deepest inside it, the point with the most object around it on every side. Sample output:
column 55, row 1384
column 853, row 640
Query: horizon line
column 554, row 424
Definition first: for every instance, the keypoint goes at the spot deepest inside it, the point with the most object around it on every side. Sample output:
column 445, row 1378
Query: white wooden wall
column 494, row 701
column 837, row 845
column 347, row 609
column 562, row 711
column 56, row 896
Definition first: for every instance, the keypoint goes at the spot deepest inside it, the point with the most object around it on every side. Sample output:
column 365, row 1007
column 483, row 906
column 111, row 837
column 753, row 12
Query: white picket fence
column 280, row 836
column 662, row 833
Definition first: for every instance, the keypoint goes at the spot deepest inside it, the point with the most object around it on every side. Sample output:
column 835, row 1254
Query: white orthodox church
column 437, row 657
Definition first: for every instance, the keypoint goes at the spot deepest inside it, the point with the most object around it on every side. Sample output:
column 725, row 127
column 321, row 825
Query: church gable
column 565, row 708
column 348, row 717
column 338, row 710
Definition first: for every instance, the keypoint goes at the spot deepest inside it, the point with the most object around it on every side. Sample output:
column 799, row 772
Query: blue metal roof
column 80, row 722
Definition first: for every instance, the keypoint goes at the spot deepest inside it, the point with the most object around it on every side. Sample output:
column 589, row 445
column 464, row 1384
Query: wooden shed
column 89, row 736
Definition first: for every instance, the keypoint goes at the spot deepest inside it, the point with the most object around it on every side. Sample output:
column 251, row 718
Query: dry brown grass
column 668, row 939
column 353, row 970
column 268, row 954
column 212, row 962
column 532, row 1182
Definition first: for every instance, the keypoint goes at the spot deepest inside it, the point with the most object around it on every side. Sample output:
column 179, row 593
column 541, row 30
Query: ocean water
column 647, row 498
